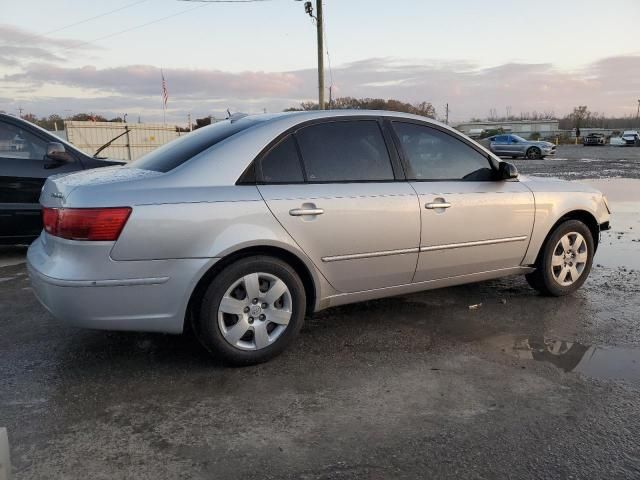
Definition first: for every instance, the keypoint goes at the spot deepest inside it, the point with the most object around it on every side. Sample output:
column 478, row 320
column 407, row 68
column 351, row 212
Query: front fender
column 552, row 206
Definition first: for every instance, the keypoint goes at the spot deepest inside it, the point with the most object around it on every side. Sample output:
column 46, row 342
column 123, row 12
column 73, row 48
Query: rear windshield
column 175, row 153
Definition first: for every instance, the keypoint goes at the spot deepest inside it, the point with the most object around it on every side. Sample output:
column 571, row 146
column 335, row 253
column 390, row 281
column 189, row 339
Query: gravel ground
column 418, row 386
column 579, row 162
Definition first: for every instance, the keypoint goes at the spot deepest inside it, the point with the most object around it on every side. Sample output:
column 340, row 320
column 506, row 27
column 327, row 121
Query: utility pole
column 638, row 111
column 308, row 8
column 20, row 111
column 190, row 124
column 446, row 114
column 319, row 26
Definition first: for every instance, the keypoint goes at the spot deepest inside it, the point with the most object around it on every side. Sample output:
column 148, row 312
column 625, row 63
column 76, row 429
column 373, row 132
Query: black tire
column 542, row 279
column 534, row 153
column 207, row 326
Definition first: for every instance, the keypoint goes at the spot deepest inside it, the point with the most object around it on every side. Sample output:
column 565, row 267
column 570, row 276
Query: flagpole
column 164, row 97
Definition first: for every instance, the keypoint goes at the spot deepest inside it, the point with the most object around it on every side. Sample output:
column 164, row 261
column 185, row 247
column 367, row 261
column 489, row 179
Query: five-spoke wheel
column 534, row 153
column 565, row 260
column 569, row 258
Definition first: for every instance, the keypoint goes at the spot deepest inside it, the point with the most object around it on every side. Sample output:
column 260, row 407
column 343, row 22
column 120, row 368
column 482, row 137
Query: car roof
column 302, row 116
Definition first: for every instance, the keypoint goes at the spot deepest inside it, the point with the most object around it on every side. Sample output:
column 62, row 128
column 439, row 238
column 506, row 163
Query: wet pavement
column 418, row 386
column 578, row 162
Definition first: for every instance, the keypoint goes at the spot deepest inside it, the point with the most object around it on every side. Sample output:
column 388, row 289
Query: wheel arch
column 582, row 215
column 532, row 147
column 309, row 282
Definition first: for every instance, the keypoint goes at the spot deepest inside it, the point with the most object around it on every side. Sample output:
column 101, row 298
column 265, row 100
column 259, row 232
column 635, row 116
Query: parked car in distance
column 28, row 155
column 594, row 139
column 509, row 145
column 628, row 138
column 244, row 227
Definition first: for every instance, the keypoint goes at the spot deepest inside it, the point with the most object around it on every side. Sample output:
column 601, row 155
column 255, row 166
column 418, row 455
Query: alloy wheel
column 533, row 153
column 569, row 258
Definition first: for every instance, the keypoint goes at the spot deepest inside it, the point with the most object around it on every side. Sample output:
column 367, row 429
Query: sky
column 72, row 56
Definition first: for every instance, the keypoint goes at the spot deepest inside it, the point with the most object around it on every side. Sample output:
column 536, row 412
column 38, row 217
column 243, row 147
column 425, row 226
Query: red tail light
column 85, row 223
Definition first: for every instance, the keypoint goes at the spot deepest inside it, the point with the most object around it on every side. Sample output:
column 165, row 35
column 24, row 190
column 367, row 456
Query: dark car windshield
column 177, row 152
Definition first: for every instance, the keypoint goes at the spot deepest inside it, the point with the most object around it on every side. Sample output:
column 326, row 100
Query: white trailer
column 136, row 139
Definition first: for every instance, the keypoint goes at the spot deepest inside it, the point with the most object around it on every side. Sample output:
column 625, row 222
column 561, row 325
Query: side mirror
column 57, row 154
column 507, row 171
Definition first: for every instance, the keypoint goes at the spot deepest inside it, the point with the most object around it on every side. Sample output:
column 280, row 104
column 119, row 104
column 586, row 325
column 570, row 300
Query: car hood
column 540, row 143
column 552, row 184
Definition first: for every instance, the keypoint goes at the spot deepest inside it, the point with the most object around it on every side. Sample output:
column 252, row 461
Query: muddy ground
column 418, row 386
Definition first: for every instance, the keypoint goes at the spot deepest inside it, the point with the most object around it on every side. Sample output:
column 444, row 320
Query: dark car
column 594, row 139
column 28, row 155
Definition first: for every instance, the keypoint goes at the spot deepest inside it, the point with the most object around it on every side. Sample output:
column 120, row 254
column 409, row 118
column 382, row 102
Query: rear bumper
column 103, row 294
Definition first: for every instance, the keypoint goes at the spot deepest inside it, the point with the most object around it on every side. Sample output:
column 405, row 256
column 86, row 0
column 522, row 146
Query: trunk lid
column 58, row 188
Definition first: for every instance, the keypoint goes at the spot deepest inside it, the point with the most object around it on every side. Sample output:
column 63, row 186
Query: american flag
column 165, row 92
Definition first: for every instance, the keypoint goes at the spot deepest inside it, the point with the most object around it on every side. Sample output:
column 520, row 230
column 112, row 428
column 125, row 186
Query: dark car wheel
column 534, row 153
column 251, row 310
column 565, row 261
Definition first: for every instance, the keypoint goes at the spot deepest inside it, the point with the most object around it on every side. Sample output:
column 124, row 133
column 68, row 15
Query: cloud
column 609, row 85
column 145, row 80
column 18, row 46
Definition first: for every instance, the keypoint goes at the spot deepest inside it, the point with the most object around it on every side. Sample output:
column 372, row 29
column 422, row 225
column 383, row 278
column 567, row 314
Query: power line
column 225, row 1
column 138, row 26
column 326, row 42
column 93, row 18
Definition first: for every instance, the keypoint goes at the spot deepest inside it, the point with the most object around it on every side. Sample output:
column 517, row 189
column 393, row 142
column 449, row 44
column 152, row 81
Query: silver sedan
column 514, row 146
column 245, row 227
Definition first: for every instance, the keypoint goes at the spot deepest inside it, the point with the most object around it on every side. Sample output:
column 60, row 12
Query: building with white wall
column 524, row 128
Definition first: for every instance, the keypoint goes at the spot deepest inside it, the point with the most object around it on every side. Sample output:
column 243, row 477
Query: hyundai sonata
column 244, row 227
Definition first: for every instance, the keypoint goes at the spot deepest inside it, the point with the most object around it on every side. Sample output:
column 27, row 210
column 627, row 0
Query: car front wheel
column 565, row 261
column 534, row 153
column 251, row 311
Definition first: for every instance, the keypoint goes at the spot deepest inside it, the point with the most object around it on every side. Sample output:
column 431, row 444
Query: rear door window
column 345, row 151
column 282, row 163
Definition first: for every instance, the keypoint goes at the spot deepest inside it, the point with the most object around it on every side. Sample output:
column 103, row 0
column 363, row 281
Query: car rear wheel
column 534, row 153
column 251, row 311
column 565, row 261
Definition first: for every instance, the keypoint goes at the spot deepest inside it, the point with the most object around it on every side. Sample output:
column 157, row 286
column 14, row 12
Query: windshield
column 177, row 152
column 517, row 138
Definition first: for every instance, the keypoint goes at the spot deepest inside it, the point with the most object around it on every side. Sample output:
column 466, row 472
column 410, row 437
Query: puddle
column 620, row 246
column 618, row 363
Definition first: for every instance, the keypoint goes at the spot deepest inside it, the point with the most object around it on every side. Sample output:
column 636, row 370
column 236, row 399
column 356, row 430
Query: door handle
column 432, row 206
column 299, row 212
